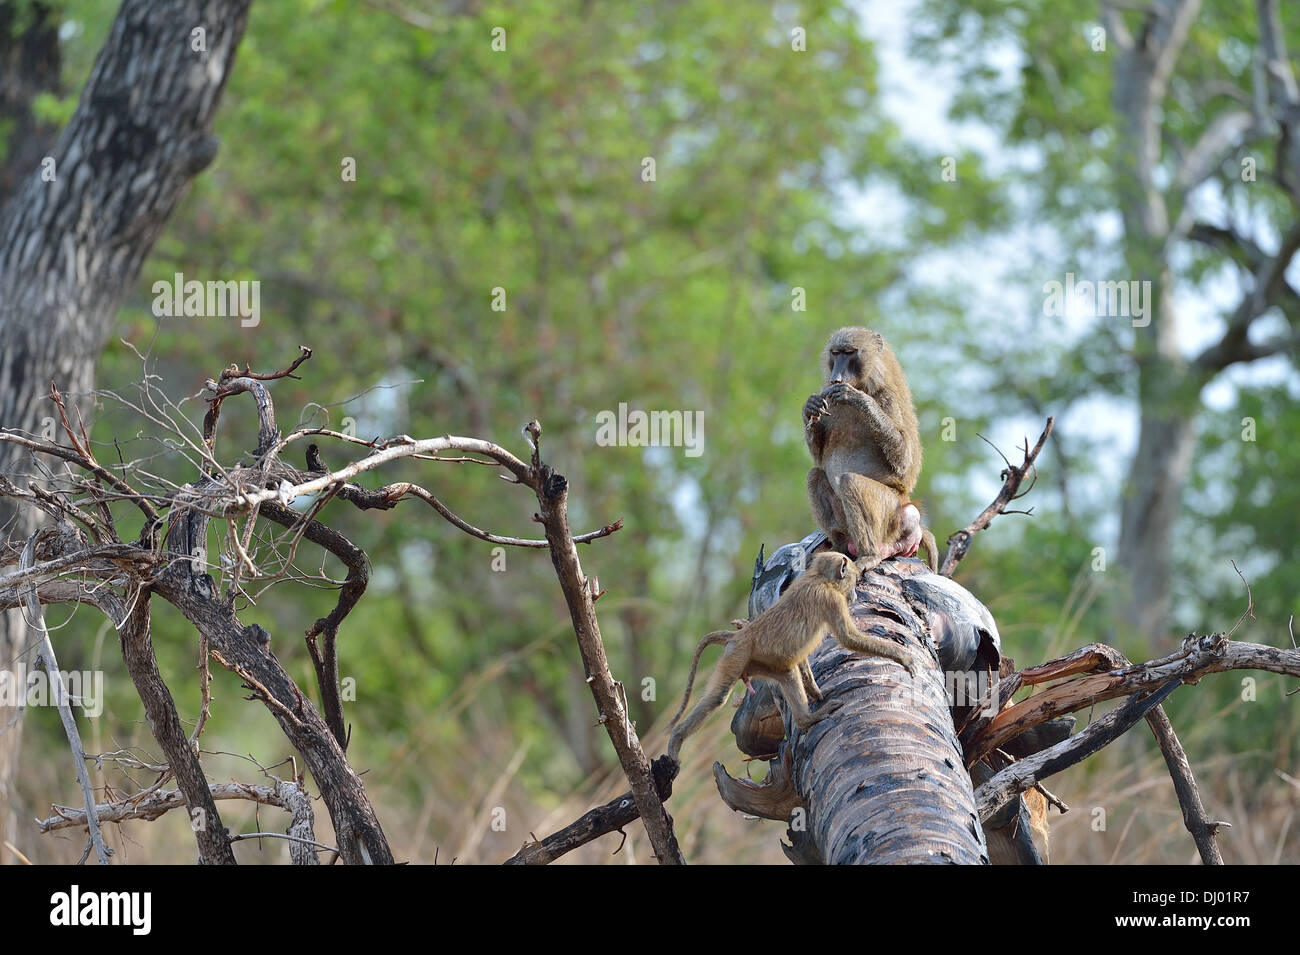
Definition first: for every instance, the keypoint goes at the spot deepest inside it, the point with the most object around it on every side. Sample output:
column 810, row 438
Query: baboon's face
column 850, row 358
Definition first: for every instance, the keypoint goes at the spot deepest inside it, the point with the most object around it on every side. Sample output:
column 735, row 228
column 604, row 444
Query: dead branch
column 75, row 572
column 165, row 724
column 205, row 690
column 552, row 496
column 324, row 652
column 45, row 654
column 1197, row 657
column 1195, row 817
column 1012, row 477
column 285, row 794
column 611, row 817
column 398, row 491
column 1019, row 776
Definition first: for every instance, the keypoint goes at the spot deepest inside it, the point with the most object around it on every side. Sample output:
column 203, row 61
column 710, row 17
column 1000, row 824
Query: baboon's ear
column 844, row 567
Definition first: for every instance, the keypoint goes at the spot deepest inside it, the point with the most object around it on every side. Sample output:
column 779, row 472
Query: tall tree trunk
column 1160, row 466
column 71, row 246
column 1168, row 402
column 1157, row 476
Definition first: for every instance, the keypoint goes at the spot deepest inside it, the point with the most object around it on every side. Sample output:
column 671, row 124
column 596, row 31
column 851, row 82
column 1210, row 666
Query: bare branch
column 1269, row 290
column 165, row 723
column 400, row 490
column 552, row 496
column 1012, row 475
column 45, row 653
column 1189, row 797
column 1019, row 776
column 1197, row 657
column 611, row 817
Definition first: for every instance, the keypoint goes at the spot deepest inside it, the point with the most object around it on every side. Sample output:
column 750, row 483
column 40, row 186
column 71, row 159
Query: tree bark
column 882, row 780
column 164, row 722
column 72, row 247
column 1153, row 495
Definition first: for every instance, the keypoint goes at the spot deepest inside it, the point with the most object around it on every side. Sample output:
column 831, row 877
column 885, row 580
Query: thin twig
column 1013, row 476
column 1250, row 601
column 36, row 620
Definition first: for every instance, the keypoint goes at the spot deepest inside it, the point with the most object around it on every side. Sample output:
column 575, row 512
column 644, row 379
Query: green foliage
column 1052, row 107
column 522, row 170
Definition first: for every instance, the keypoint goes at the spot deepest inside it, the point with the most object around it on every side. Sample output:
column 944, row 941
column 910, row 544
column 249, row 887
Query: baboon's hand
column 845, row 394
column 868, row 562
column 814, row 408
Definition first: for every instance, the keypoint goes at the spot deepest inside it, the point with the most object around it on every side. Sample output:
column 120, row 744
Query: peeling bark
column 882, row 780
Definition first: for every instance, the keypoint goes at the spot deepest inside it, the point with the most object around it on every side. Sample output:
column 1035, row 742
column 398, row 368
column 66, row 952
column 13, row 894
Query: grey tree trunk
column 882, row 780
column 1169, row 383
column 1160, row 466
column 71, row 245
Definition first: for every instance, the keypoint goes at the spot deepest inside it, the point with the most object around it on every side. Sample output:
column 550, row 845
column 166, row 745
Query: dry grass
column 463, row 786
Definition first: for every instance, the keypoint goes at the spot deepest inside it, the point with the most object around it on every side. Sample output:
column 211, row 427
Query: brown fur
column 866, row 446
column 777, row 643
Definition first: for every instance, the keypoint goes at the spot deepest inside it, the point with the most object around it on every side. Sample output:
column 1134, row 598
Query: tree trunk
column 1168, row 396
column 1160, row 466
column 1154, row 491
column 882, row 780
column 71, row 246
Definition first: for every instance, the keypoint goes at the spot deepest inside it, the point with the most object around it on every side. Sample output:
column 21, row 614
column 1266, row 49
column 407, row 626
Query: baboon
column 777, row 643
column 861, row 430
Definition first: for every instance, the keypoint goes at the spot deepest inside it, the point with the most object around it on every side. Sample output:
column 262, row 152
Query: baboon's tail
column 931, row 548
column 715, row 638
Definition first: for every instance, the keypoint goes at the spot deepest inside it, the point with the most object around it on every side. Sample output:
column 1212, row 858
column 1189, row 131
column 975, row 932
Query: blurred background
column 922, row 168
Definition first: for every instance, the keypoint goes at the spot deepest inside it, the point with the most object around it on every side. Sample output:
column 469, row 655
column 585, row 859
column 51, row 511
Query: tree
column 78, row 557
column 1194, row 142
column 75, row 230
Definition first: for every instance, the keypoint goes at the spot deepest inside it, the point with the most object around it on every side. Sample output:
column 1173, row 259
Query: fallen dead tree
column 882, row 779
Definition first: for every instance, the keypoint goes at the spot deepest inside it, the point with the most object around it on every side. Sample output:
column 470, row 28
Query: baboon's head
column 837, row 569
column 852, row 356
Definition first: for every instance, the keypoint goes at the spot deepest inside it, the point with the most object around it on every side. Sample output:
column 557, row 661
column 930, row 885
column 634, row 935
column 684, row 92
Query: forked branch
column 1012, row 477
